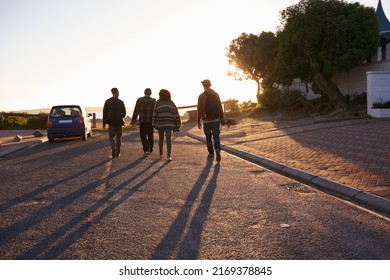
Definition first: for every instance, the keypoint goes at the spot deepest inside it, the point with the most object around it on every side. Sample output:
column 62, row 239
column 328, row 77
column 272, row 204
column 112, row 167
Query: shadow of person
column 56, row 243
column 189, row 248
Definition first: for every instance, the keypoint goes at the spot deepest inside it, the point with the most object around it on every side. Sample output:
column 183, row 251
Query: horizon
column 90, row 109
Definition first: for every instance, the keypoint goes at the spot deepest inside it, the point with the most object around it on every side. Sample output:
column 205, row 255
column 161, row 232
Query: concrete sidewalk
column 9, row 146
column 350, row 157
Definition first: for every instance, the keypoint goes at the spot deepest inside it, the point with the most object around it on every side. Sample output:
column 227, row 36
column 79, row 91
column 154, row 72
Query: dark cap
column 206, row 83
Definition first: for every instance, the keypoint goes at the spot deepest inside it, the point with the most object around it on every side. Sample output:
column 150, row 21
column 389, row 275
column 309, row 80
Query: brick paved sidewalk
column 353, row 152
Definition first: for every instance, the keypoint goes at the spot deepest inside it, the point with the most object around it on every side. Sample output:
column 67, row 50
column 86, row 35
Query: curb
column 23, row 146
column 367, row 199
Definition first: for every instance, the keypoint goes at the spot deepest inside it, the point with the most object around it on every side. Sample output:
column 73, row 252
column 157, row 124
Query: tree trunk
column 258, row 90
column 328, row 89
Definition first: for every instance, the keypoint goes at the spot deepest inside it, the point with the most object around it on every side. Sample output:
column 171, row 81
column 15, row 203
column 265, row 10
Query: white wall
column 355, row 81
column 378, row 89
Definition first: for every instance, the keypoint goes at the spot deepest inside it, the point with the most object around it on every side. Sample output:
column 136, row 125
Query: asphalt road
column 69, row 200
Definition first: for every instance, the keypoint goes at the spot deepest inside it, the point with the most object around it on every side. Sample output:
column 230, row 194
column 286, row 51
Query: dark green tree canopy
column 241, row 54
column 252, row 56
column 324, row 37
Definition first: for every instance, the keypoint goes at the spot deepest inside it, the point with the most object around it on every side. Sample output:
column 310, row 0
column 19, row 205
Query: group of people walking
column 163, row 116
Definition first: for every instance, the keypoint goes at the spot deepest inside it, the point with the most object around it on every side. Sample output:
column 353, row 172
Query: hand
column 199, row 125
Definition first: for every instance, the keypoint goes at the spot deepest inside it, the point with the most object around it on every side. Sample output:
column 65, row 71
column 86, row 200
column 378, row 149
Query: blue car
column 68, row 121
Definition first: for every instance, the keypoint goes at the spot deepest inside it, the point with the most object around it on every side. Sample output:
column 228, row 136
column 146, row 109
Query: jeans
column 115, row 131
column 168, row 135
column 146, row 134
column 212, row 131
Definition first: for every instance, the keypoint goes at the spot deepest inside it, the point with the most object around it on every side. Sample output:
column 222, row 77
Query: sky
column 71, row 51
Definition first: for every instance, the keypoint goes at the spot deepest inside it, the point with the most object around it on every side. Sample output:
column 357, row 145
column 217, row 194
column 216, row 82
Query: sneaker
column 169, row 159
column 218, row 156
column 146, row 154
column 160, row 157
column 113, row 153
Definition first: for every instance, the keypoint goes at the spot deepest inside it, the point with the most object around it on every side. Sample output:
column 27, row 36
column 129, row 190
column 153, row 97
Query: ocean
column 97, row 110
column 129, row 111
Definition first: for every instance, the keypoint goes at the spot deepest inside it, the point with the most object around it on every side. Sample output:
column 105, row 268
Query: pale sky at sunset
column 75, row 51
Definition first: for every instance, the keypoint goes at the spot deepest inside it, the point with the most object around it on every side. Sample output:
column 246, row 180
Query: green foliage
column 316, row 38
column 239, row 108
column 241, row 53
column 247, row 106
column 357, row 101
column 252, row 56
column 381, row 105
column 37, row 121
column 324, row 36
column 14, row 122
column 24, row 121
column 274, row 99
column 230, row 105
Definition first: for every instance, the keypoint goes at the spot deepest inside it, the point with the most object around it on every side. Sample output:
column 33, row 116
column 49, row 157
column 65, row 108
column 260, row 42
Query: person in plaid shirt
column 144, row 108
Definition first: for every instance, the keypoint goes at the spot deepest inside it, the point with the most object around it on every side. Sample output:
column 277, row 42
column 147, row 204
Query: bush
column 231, row 105
column 356, row 101
column 274, row 99
column 37, row 122
column 14, row 122
column 24, row 121
column 235, row 109
column 247, row 106
column 381, row 105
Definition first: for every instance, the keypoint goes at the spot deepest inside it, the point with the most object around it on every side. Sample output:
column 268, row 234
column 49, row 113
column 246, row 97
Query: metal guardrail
column 192, row 114
column 187, row 107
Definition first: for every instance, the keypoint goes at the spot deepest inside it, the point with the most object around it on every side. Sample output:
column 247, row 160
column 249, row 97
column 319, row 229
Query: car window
column 65, row 112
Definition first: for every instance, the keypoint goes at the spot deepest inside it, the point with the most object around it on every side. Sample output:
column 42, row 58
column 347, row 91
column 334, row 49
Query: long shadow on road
column 188, row 245
column 189, row 249
column 31, row 195
column 17, row 228
column 75, row 228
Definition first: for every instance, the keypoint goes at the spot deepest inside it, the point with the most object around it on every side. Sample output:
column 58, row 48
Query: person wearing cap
column 210, row 113
column 144, row 108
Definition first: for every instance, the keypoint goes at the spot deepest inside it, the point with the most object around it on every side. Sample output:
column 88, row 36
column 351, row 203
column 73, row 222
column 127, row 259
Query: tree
column 252, row 56
column 318, row 38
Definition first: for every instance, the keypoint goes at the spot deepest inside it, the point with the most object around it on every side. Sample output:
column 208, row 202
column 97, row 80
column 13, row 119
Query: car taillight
column 48, row 122
column 81, row 120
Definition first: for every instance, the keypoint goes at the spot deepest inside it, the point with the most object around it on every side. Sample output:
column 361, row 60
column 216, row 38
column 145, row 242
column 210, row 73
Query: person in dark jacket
column 114, row 111
column 166, row 119
column 144, row 108
column 210, row 112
